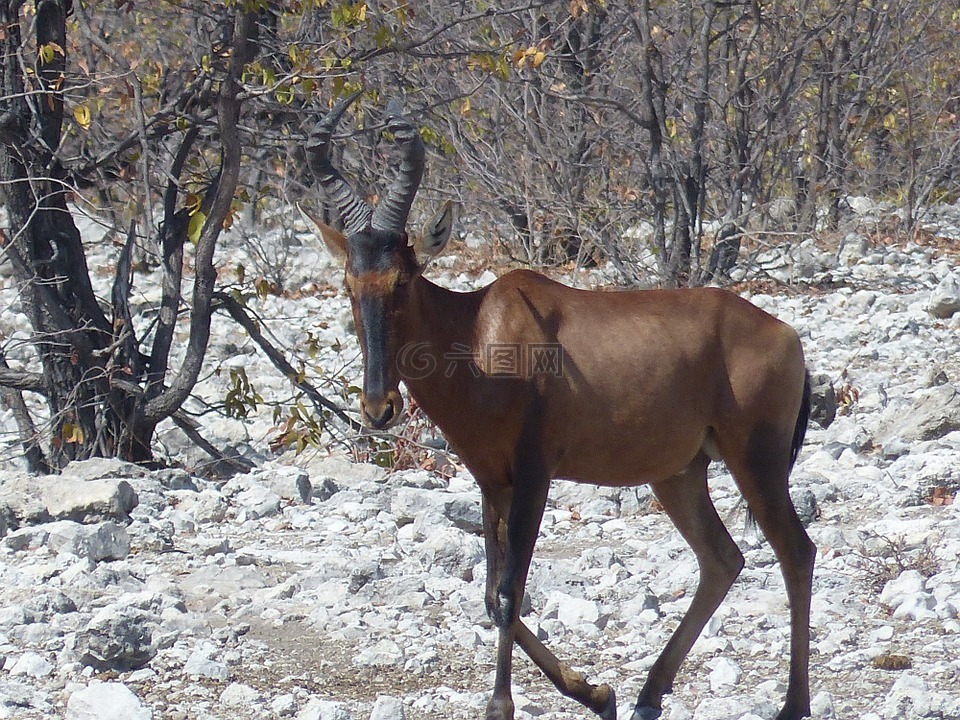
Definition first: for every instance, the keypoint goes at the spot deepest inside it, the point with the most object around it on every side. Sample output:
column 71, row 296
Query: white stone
column 106, row 701
column 284, row 705
column 909, row 697
column 87, row 501
column 883, row 633
column 104, row 541
column 821, row 706
column 317, row 709
column 387, row 707
column 208, row 506
column 380, row 654
column 919, row 606
column 571, row 611
column 32, row 665
column 290, row 483
column 201, row 664
column 909, row 582
column 120, row 635
column 258, row 501
column 945, row 298
column 462, row 509
column 453, row 550
column 724, row 673
column 238, row 695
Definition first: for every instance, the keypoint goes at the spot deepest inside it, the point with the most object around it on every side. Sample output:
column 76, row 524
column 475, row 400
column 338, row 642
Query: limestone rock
column 106, row 701
column 930, row 415
column 945, row 298
column 118, row 638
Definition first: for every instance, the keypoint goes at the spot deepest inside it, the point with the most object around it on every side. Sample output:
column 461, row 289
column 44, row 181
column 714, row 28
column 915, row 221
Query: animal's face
column 381, row 270
column 381, row 267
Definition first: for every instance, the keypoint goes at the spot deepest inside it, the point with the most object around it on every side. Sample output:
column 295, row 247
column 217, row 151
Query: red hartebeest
column 531, row 380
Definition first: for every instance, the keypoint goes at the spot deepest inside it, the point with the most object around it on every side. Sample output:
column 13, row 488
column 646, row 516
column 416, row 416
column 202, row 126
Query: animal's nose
column 380, row 413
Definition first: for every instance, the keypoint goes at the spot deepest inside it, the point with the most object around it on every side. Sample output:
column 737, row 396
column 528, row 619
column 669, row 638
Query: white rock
column 106, row 701
column 201, row 664
column 258, row 501
column 908, row 586
column 290, row 483
column 945, row 298
column 87, row 501
column 387, row 707
column 485, row 278
column 183, row 522
column 453, row 550
column 104, row 541
column 821, row 706
column 238, row 695
column 380, row 654
column 883, row 633
column 724, row 673
column 929, row 414
column 571, row 611
column 317, row 709
column 119, row 637
column 919, row 606
column 284, row 705
column 208, row 506
column 909, row 697
column 462, row 509
column 32, row 665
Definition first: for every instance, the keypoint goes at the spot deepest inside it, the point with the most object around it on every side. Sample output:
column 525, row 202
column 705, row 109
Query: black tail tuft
column 800, row 431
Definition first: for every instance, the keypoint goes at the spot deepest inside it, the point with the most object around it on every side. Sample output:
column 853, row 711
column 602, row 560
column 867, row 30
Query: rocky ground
column 319, row 588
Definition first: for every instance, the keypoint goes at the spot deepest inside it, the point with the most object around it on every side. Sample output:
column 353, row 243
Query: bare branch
column 228, row 117
column 239, row 313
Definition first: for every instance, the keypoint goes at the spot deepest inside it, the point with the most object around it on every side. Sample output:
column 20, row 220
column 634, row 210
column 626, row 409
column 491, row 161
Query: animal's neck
column 438, row 329
column 439, row 316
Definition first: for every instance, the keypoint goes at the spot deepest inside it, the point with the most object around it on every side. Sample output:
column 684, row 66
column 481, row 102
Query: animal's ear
column 335, row 240
column 436, row 233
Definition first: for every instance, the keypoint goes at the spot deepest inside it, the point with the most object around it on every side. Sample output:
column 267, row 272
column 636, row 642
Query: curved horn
column 391, row 213
column 355, row 212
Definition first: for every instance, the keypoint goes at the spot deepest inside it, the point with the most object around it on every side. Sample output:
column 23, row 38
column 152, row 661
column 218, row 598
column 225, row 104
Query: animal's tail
column 803, row 417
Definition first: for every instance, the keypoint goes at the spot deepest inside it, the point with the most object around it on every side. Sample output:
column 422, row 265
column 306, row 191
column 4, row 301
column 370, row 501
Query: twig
column 239, row 313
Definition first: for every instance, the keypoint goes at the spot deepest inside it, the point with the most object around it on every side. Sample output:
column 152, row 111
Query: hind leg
column 686, row 500
column 762, row 474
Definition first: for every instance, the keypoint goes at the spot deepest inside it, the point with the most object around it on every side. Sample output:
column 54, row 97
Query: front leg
column 494, row 507
column 523, row 526
column 504, row 596
column 601, row 699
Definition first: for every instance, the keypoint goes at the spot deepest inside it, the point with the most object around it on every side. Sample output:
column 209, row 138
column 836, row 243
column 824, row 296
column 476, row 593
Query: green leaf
column 284, row 94
column 197, row 221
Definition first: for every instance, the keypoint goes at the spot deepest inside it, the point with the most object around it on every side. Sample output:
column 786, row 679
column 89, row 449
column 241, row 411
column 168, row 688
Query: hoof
column 645, row 713
column 610, row 711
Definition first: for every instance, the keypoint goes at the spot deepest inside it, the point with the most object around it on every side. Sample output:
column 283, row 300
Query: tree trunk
column 104, row 396
column 46, row 251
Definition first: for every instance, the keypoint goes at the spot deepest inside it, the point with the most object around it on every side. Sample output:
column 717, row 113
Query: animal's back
column 633, row 381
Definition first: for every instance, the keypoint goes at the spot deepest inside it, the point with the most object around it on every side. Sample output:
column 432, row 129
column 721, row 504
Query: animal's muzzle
column 381, row 412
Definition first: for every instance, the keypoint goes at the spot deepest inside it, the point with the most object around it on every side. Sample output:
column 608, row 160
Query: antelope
column 642, row 387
